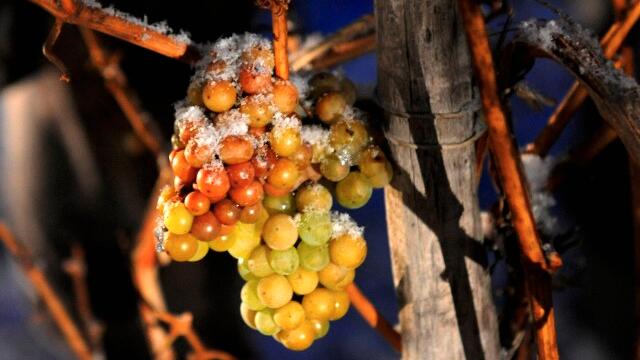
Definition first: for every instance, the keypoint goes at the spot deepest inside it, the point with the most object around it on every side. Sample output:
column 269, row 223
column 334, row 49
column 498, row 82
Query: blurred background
column 72, row 172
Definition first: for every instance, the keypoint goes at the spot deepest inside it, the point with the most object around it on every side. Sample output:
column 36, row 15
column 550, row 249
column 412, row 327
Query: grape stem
column 54, row 305
column 537, row 267
column 371, row 315
column 280, row 34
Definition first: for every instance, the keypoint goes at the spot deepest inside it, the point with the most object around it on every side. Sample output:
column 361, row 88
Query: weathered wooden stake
column 439, row 264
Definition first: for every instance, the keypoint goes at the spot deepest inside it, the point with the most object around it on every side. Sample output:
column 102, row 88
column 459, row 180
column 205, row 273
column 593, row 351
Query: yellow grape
column 289, row 316
column 181, row 247
column 335, row 277
column 274, row 291
column 285, row 142
column 245, row 238
column 319, row 304
column 348, row 251
column 201, row 251
column 177, row 218
column 341, row 305
column 258, row 262
column 354, row 191
column 313, row 196
column 280, row 232
column 222, row 243
column 279, row 204
column 265, row 323
column 248, row 315
column 321, row 327
column 244, row 271
column 249, row 295
column 299, row 338
column 313, row 257
column 303, row 281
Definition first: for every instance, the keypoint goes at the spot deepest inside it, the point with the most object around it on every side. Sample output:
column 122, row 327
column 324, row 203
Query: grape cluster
column 251, row 180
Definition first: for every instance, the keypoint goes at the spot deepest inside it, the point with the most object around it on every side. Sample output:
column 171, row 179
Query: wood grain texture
column 439, row 263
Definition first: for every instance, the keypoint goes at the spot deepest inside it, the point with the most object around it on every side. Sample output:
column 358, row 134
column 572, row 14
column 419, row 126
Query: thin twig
column 371, row 315
column 116, row 82
column 509, row 168
column 78, row 13
column 576, row 95
column 47, row 50
column 42, row 287
column 345, row 51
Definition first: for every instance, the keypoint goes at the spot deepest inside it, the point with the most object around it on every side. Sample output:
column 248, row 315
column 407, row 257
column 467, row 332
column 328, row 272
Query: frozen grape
column 354, row 191
column 314, row 227
column 348, row 251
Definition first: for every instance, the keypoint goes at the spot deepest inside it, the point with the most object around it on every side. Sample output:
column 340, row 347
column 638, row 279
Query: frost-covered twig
column 616, row 95
column 509, row 166
column 359, row 29
column 116, row 82
column 155, row 37
column 42, row 287
column 280, row 34
column 576, row 95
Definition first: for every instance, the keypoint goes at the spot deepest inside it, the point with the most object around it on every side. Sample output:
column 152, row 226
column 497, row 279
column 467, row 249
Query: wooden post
column 439, row 264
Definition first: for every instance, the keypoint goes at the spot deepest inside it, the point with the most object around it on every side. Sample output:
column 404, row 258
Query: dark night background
column 595, row 296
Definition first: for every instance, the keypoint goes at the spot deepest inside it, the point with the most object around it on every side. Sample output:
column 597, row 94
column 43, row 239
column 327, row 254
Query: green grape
column 374, row 165
column 243, row 270
column 258, row 262
column 313, row 257
column 333, row 168
column 321, row 327
column 313, row 196
column 265, row 323
column 249, row 296
column 354, row 191
column 284, row 262
column 279, row 204
column 348, row 137
column 314, row 227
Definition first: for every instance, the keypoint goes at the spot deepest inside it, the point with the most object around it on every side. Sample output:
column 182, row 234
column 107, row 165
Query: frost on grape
column 537, row 171
column 301, row 82
column 161, row 27
column 343, row 224
column 159, row 234
column 232, row 122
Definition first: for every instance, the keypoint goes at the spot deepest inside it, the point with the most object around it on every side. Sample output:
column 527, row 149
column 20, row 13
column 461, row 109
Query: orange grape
column 280, row 232
column 219, row 96
column 274, row 291
column 285, row 96
column 348, row 251
column 181, row 247
column 289, row 316
column 303, row 281
column 319, row 304
column 197, row 203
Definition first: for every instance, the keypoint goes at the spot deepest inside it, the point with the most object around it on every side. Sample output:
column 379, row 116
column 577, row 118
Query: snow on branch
column 616, row 95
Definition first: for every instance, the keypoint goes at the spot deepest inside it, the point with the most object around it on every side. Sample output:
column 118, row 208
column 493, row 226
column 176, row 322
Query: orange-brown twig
column 75, row 266
column 508, row 164
column 127, row 99
column 278, row 10
column 47, row 50
column 78, row 13
column 35, row 275
column 371, row 315
column 576, row 95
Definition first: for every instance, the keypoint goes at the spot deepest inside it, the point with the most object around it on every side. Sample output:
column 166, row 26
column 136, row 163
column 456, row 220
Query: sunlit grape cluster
column 252, row 180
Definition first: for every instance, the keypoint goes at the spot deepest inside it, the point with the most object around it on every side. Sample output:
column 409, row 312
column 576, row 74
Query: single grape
column 313, row 258
column 178, row 219
column 285, row 141
column 333, row 168
column 285, row 96
column 265, row 323
column 276, row 191
column 284, row 174
column 298, row 339
column 313, row 196
column 258, row 110
column 197, row 155
column 374, row 165
column 319, row 304
column 348, row 137
column 284, row 262
column 197, row 203
column 248, row 195
column 181, row 247
column 315, row 227
column 206, row 226
column 274, row 291
column 241, row 174
column 341, row 305
column 258, row 57
column 248, row 315
column 235, row 149
column 263, row 161
column 322, row 83
column 302, row 156
column 222, row 243
column 303, row 281
column 201, row 251
column 354, row 191
column 258, row 262
column 227, row 211
column 335, row 277
column 246, row 237
column 348, row 251
column 330, row 106
column 290, row 316
column 213, row 181
column 219, row 96
column 166, row 195
column 253, row 82
column 249, row 295
column 321, row 327
column 182, row 169
column 250, row 214
column 244, row 272
column 280, row 232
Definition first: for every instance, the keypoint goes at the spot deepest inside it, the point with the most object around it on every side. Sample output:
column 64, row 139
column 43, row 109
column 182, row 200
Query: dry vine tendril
column 251, row 180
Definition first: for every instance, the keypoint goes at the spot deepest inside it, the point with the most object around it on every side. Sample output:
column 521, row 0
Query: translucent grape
column 333, row 168
column 249, row 295
column 245, row 237
column 274, row 291
column 319, row 304
column 181, row 247
column 201, row 251
column 335, row 277
column 299, row 338
column 244, row 271
column 248, row 315
column 222, row 243
column 290, row 316
column 341, row 305
column 279, row 204
column 315, row 228
column 313, row 197
column 303, row 281
column 265, row 323
column 348, row 251
column 313, row 257
column 354, row 191
column 321, row 327
column 258, row 261
column 284, row 262
column 177, row 218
